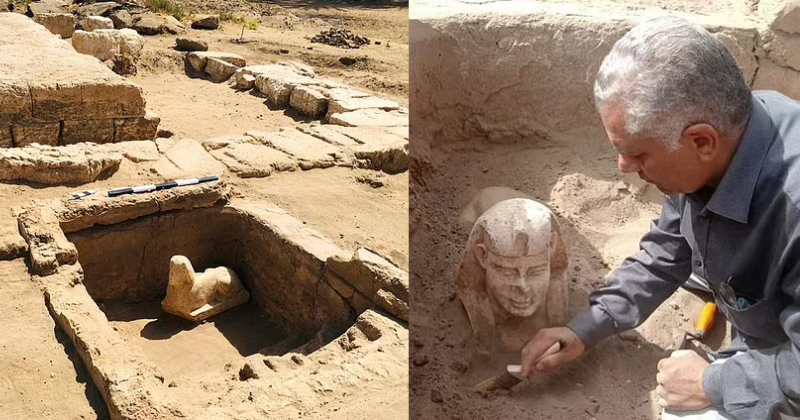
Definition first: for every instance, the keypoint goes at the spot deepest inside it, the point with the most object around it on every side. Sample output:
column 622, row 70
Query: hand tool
column 694, row 340
column 510, row 376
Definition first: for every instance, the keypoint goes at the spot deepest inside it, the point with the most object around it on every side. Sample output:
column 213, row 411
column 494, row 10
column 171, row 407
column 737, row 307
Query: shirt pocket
column 760, row 320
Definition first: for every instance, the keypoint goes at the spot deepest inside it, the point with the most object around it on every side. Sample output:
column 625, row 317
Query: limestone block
column 246, row 82
column 206, row 22
column 5, row 136
column 391, row 157
column 92, row 23
column 278, row 87
column 771, row 76
column 61, row 24
column 105, row 43
column 341, row 105
column 78, row 163
column 327, row 133
column 783, row 50
column 70, row 101
column 187, row 159
column 369, row 118
column 248, row 160
column 219, row 70
column 197, row 60
column 308, row 101
column 190, row 44
column 145, row 128
column 42, row 133
column 198, row 296
column 788, row 17
column 87, row 131
column 15, row 103
column 309, row 151
column 97, row 9
column 122, row 19
column 523, row 236
column 49, row 248
column 138, row 150
column 153, row 24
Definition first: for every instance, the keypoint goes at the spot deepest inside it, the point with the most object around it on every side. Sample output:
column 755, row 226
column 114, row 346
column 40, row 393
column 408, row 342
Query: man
column 679, row 112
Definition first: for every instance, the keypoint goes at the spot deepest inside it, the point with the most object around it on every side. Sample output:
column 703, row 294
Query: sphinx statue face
column 518, row 284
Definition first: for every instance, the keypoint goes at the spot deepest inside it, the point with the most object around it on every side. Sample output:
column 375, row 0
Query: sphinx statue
column 512, row 278
column 198, row 296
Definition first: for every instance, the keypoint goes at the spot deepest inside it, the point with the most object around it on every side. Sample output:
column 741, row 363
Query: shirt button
column 697, row 262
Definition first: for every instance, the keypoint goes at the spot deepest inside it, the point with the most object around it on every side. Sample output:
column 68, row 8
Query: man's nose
column 520, row 284
column 627, row 165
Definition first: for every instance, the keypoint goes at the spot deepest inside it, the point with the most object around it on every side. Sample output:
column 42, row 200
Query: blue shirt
column 742, row 237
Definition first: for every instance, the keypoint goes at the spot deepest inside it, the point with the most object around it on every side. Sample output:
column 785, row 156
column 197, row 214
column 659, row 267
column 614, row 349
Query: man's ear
column 704, row 139
column 481, row 254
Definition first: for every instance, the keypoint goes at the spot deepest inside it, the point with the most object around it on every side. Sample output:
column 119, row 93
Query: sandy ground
column 602, row 216
column 42, row 378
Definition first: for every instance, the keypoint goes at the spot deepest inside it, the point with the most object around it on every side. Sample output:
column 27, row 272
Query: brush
column 510, row 376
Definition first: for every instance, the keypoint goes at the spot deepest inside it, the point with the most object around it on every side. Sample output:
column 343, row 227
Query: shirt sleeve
column 643, row 281
column 759, row 384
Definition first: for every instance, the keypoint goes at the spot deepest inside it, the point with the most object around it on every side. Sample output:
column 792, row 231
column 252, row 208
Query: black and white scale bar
column 79, row 195
column 164, row 186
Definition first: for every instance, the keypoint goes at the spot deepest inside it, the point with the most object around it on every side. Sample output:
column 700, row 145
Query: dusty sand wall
column 508, row 71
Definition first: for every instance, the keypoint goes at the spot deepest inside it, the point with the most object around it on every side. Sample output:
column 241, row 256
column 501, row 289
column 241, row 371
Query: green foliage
column 167, row 6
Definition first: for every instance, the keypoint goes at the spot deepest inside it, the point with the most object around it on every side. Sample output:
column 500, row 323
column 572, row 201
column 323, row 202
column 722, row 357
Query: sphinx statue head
column 512, row 277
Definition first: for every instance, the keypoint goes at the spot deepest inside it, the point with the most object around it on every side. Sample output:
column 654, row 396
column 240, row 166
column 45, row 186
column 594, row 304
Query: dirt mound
column 342, row 38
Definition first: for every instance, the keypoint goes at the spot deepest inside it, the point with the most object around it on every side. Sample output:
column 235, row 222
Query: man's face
column 672, row 172
column 518, row 284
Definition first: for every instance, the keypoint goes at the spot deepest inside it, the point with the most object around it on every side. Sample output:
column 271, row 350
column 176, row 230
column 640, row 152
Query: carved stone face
column 516, row 284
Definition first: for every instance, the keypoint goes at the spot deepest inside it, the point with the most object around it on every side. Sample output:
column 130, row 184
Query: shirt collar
column 735, row 192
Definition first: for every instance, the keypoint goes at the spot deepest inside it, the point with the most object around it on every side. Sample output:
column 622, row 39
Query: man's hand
column 680, row 381
column 541, row 342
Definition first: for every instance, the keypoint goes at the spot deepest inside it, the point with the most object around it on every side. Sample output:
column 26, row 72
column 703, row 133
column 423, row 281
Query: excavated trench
column 126, row 269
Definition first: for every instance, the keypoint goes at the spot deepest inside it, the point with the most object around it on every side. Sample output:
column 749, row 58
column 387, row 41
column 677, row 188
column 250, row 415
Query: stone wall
column 508, row 71
column 52, row 95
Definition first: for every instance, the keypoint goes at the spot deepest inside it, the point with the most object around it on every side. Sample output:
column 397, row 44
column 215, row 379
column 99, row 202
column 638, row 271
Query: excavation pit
column 126, row 269
column 103, row 264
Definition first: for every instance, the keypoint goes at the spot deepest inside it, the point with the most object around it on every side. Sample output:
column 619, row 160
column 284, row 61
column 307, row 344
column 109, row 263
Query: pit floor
column 184, row 350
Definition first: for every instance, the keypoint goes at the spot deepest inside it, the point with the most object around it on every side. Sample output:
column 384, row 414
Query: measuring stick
column 164, row 186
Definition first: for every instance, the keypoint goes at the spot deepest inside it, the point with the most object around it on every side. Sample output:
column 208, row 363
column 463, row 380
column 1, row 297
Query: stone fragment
column 92, row 23
column 49, row 248
column 338, row 105
column 197, row 60
column 61, row 24
column 198, row 296
column 41, row 133
column 308, row 101
column 206, row 22
column 309, row 151
column 153, row 24
column 190, row 44
column 187, row 159
column 245, row 82
column 106, row 43
column 87, row 131
column 369, row 118
column 122, row 19
column 97, row 9
column 248, row 160
column 144, row 128
column 79, row 163
column 219, row 70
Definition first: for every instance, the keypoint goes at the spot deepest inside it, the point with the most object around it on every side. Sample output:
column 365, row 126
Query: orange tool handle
column 706, row 320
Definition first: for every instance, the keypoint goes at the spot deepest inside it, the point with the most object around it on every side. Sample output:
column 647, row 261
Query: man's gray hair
column 669, row 73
